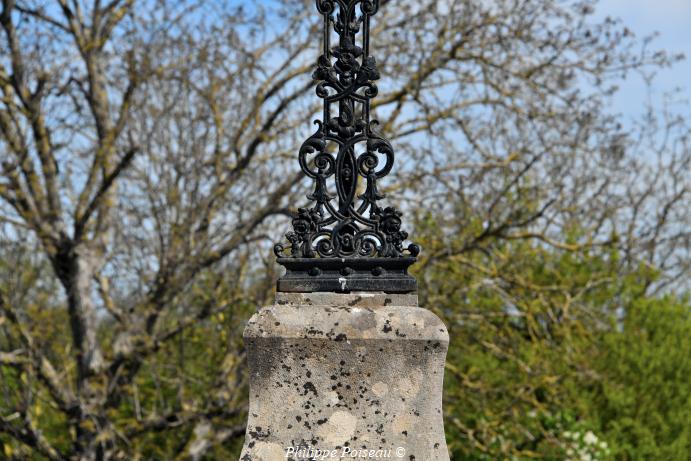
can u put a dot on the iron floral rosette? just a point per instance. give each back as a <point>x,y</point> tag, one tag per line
<point>346,241</point>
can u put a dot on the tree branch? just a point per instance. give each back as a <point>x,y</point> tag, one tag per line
<point>82,220</point>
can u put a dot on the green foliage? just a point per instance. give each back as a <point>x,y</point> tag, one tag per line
<point>643,401</point>
<point>542,364</point>
<point>197,370</point>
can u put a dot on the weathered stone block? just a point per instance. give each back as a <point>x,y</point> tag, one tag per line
<point>344,375</point>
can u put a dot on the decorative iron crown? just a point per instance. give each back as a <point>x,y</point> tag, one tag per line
<point>346,242</point>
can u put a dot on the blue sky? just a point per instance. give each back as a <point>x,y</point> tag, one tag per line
<point>671,19</point>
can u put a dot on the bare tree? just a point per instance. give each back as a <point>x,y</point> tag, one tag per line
<point>148,152</point>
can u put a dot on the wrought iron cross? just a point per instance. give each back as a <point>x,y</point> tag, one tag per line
<point>346,241</point>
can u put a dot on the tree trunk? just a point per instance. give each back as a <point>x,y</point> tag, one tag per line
<point>76,266</point>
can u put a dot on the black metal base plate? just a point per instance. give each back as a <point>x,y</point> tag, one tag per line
<point>345,275</point>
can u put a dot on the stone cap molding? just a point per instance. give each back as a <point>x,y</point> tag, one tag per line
<point>347,317</point>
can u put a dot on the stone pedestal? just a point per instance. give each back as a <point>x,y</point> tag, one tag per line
<point>345,376</point>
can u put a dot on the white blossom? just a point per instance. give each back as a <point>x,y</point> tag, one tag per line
<point>590,438</point>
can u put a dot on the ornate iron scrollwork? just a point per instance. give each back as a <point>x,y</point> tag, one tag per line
<point>346,234</point>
